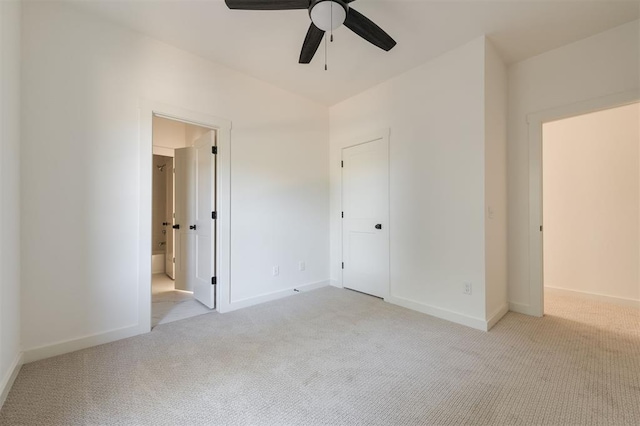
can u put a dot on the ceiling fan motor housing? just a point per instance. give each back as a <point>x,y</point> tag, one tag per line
<point>328,15</point>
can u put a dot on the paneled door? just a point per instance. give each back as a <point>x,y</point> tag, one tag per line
<point>203,220</point>
<point>185,203</point>
<point>365,222</point>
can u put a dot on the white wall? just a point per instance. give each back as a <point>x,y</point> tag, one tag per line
<point>436,113</point>
<point>84,79</point>
<point>191,133</point>
<point>10,355</point>
<point>495,166</point>
<point>169,133</point>
<point>600,65</point>
<point>591,200</point>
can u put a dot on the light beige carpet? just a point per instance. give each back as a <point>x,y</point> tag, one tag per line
<point>335,357</point>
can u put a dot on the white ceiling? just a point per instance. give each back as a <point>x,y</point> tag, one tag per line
<point>266,44</point>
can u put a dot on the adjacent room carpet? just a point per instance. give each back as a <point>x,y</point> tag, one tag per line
<point>336,357</point>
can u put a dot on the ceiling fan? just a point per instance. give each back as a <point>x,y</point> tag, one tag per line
<point>326,15</point>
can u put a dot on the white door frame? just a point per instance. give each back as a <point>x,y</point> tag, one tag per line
<point>536,121</point>
<point>223,203</point>
<point>348,143</point>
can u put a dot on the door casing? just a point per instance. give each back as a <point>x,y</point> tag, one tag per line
<point>536,228</point>
<point>222,127</point>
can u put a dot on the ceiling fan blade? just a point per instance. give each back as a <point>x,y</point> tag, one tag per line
<point>311,43</point>
<point>267,4</point>
<point>365,28</point>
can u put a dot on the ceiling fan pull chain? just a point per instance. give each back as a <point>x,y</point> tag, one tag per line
<point>325,52</point>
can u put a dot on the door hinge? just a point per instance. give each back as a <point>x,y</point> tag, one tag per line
<point>214,215</point>
<point>174,260</point>
<point>540,228</point>
<point>342,265</point>
<point>214,150</point>
<point>342,214</point>
<point>214,280</point>
<point>342,164</point>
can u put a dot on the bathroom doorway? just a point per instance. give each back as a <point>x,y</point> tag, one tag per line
<point>183,240</point>
<point>162,212</point>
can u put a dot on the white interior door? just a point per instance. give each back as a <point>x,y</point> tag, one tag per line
<point>169,265</point>
<point>184,209</point>
<point>365,223</point>
<point>203,224</point>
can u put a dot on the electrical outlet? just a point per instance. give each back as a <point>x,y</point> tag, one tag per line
<point>302,266</point>
<point>467,288</point>
<point>276,271</point>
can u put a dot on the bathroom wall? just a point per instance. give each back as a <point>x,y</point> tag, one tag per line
<point>159,209</point>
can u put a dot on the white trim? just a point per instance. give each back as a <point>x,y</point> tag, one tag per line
<point>348,142</point>
<point>521,308</point>
<point>243,303</point>
<point>72,345</point>
<point>497,316</point>
<point>620,301</point>
<point>148,110</point>
<point>10,377</point>
<point>335,283</point>
<point>536,120</point>
<point>477,323</point>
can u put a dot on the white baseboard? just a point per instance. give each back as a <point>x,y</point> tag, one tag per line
<point>72,345</point>
<point>620,301</point>
<point>244,303</point>
<point>497,316</point>
<point>10,377</point>
<point>521,308</point>
<point>335,283</point>
<point>458,318</point>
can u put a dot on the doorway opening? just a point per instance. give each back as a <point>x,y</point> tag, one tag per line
<point>183,248</point>
<point>591,215</point>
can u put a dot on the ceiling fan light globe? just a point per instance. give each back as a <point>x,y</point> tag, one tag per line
<point>328,15</point>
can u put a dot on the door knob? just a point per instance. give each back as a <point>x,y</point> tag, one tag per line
<point>192,227</point>
<point>379,226</point>
<point>176,226</point>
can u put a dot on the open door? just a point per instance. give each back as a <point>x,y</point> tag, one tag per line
<point>184,201</point>
<point>194,224</point>
<point>204,220</point>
